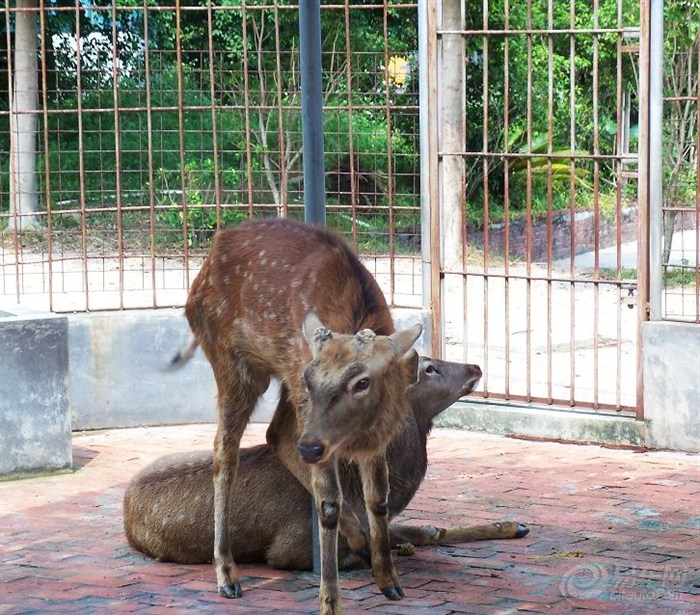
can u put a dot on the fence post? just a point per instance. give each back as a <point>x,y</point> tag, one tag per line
<point>656,176</point>
<point>312,138</point>
<point>429,195</point>
<point>451,168</point>
<point>312,110</point>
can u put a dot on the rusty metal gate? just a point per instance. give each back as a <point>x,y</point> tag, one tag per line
<point>536,117</point>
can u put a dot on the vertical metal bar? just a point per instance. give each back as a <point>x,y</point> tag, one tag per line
<point>550,188</point>
<point>643,197</point>
<point>572,202</point>
<point>181,135</point>
<point>81,157</point>
<point>312,141</point>
<point>283,208</point>
<point>351,140</point>
<point>528,208</point>
<point>506,194</point>
<point>485,173</point>
<point>596,205</point>
<point>621,150</point>
<point>13,206</point>
<point>697,204</point>
<point>430,212</point>
<point>212,103</point>
<point>390,172</point>
<point>246,107</point>
<point>656,103</point>
<point>149,153</point>
<point>47,175</point>
<point>312,110</point>
<point>118,158</point>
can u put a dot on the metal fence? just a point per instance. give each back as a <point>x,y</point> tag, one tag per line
<point>545,279</point>
<point>154,124</point>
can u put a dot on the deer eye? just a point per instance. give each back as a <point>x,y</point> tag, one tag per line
<point>431,369</point>
<point>361,385</point>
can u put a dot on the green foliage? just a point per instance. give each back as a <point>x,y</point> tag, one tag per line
<point>191,210</point>
<point>522,105</point>
<point>681,276</point>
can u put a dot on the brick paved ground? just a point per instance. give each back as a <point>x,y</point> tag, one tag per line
<point>612,531</point>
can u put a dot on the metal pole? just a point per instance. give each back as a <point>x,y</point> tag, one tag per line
<point>656,113</point>
<point>643,198</point>
<point>312,111</point>
<point>312,141</point>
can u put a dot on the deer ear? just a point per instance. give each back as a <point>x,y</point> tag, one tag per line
<point>403,340</point>
<point>409,365</point>
<point>315,333</point>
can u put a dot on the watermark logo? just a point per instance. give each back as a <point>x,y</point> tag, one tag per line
<point>585,581</point>
<point>592,580</point>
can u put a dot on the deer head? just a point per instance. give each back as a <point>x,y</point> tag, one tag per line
<point>357,387</point>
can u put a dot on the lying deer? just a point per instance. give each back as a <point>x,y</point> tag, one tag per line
<point>281,298</point>
<point>168,506</point>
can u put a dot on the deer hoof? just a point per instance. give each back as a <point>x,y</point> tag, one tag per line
<point>523,530</point>
<point>393,592</point>
<point>231,591</point>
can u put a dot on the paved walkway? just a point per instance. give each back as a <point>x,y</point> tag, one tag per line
<point>612,531</point>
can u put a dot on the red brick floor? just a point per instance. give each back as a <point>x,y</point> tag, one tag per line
<point>612,531</point>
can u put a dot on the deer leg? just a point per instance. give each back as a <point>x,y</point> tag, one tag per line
<point>429,535</point>
<point>236,403</point>
<point>328,498</point>
<point>375,485</point>
<point>282,434</point>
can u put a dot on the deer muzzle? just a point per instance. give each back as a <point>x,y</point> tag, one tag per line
<point>311,452</point>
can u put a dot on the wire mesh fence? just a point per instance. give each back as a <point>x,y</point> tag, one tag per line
<point>157,123</point>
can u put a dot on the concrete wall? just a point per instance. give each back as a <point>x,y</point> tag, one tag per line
<point>672,385</point>
<point>118,376</point>
<point>118,379</point>
<point>35,426</point>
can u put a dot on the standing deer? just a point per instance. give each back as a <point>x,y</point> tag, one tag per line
<point>281,298</point>
<point>168,505</point>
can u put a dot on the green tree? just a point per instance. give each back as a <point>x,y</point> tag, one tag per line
<point>681,71</point>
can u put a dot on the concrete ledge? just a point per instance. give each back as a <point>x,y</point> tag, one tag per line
<point>118,378</point>
<point>35,425</point>
<point>547,423</point>
<point>672,385</point>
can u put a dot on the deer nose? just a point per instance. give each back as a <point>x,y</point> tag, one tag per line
<point>311,453</point>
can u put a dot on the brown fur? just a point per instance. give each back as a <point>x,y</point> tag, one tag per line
<point>344,380</point>
<point>168,506</point>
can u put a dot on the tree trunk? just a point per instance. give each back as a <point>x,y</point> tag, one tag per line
<point>669,227</point>
<point>24,119</point>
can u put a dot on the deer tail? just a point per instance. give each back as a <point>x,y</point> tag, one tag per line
<point>183,355</point>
